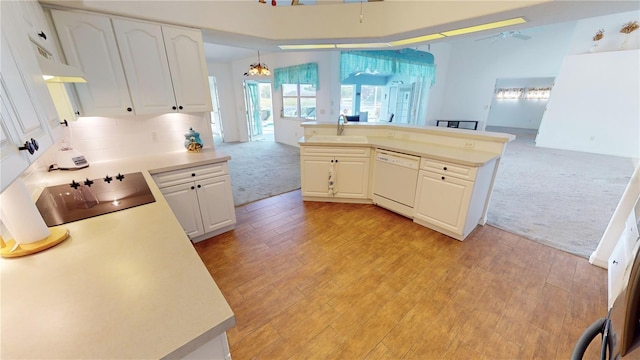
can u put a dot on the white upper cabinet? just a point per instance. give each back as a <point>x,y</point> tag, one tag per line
<point>145,64</point>
<point>88,43</point>
<point>37,27</point>
<point>133,66</point>
<point>185,52</point>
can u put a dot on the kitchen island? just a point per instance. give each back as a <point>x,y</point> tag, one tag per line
<point>441,178</point>
<point>127,284</point>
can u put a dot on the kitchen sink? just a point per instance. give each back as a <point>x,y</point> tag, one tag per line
<point>338,139</point>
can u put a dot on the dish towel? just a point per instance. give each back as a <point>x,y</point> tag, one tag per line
<point>332,179</point>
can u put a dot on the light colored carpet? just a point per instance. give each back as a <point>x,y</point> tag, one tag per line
<point>260,169</point>
<point>560,198</point>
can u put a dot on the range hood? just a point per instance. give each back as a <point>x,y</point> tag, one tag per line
<point>56,72</point>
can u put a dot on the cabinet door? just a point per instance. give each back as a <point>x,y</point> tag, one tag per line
<point>27,118</point>
<point>14,162</point>
<point>216,203</point>
<point>352,177</point>
<point>145,64</point>
<point>183,200</point>
<point>88,43</point>
<point>185,53</point>
<point>314,172</point>
<point>36,24</point>
<point>443,200</point>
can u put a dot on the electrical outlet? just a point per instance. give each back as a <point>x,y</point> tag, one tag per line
<point>469,145</point>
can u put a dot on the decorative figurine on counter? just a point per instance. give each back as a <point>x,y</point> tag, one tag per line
<point>192,141</point>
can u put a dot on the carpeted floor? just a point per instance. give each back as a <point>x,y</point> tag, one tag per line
<point>560,198</point>
<point>260,169</point>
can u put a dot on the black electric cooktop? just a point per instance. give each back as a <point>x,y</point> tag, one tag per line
<point>66,203</point>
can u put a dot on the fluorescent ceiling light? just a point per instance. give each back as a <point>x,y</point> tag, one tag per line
<point>362,46</point>
<point>486,26</point>
<point>416,39</point>
<point>306,47</point>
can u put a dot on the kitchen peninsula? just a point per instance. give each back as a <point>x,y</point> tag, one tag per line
<point>127,284</point>
<point>441,178</point>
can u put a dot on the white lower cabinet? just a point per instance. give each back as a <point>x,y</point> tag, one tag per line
<point>349,167</point>
<point>443,200</point>
<point>451,198</point>
<point>200,198</point>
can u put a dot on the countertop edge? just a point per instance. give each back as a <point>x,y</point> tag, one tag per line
<point>373,142</point>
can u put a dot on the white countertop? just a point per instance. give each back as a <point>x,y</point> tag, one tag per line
<point>434,151</point>
<point>128,284</point>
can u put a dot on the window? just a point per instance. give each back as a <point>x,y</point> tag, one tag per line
<point>347,96</point>
<point>370,101</point>
<point>299,101</point>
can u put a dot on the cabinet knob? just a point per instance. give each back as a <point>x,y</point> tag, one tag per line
<point>199,186</point>
<point>614,262</point>
<point>331,160</point>
<point>174,108</point>
<point>336,160</point>
<point>28,146</point>
<point>193,174</point>
<point>193,187</point>
<point>443,178</point>
<point>43,35</point>
<point>444,168</point>
<point>129,109</point>
<point>180,107</point>
<point>77,113</point>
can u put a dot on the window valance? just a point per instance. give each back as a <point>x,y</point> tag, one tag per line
<point>407,62</point>
<point>297,74</point>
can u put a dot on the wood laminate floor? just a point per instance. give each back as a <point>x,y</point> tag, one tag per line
<point>310,280</point>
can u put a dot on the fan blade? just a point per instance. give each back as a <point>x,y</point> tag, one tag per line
<point>521,37</point>
<point>488,37</point>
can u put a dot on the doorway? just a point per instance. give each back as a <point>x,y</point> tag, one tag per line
<point>216,123</point>
<point>259,104</point>
<point>520,103</point>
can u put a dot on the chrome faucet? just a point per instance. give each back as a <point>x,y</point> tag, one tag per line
<point>341,125</point>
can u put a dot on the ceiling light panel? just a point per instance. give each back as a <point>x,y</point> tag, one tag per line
<point>416,39</point>
<point>307,47</point>
<point>362,45</point>
<point>487,26</point>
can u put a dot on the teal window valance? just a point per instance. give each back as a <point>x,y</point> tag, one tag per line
<point>407,62</point>
<point>297,74</point>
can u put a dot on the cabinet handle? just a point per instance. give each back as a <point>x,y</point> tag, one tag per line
<point>77,113</point>
<point>193,187</point>
<point>129,109</point>
<point>173,107</point>
<point>64,122</point>
<point>35,144</point>
<point>43,35</point>
<point>180,107</point>
<point>193,174</point>
<point>444,168</point>
<point>199,186</point>
<point>443,178</point>
<point>28,146</point>
<point>615,262</point>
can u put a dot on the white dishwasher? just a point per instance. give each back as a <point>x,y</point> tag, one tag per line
<point>395,176</point>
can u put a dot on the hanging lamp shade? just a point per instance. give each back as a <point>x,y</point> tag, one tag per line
<point>258,69</point>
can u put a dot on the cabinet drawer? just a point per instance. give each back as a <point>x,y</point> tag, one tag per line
<point>446,168</point>
<point>335,151</point>
<point>195,173</point>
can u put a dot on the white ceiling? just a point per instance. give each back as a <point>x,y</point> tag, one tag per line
<point>236,29</point>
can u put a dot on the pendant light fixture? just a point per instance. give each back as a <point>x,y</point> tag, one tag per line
<point>258,69</point>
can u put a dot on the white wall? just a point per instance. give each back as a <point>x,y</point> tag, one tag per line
<point>442,57</point>
<point>475,65</point>
<point>519,113</point>
<point>102,138</point>
<point>595,103</point>
<point>227,104</point>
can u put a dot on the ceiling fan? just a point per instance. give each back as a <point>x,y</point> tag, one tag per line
<point>507,34</point>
